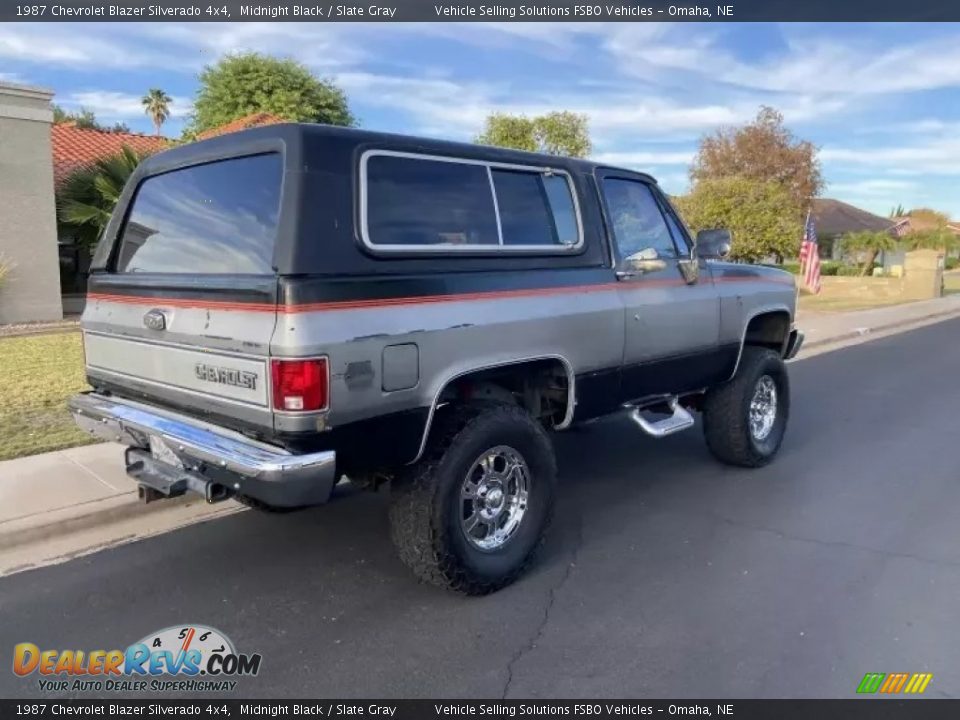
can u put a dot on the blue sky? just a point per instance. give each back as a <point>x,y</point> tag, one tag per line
<point>881,103</point>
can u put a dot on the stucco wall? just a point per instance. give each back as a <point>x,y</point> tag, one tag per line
<point>28,235</point>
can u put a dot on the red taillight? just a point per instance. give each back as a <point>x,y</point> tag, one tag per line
<point>299,385</point>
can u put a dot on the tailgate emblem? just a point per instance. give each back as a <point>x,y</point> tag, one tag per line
<point>155,320</point>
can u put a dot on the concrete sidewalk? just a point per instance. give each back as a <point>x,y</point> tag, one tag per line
<point>66,498</point>
<point>827,328</point>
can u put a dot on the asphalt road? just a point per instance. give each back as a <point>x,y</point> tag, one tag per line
<point>666,574</point>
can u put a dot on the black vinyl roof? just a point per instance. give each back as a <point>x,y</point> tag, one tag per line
<point>297,134</point>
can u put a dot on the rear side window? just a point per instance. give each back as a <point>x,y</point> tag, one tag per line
<point>532,214</point>
<point>428,202</point>
<point>411,202</point>
<point>218,218</point>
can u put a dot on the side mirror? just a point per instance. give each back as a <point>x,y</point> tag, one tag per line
<point>714,244</point>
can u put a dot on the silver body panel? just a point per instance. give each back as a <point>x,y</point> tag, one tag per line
<point>591,329</point>
<point>453,338</point>
<point>398,324</point>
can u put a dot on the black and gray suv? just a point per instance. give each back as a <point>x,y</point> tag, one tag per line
<point>274,310</point>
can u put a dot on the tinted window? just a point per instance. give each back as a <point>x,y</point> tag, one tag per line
<point>215,218</point>
<point>564,213</point>
<point>679,238</point>
<point>637,221</point>
<point>412,201</point>
<point>534,209</point>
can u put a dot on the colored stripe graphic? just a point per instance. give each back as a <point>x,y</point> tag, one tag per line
<point>206,304</point>
<point>918,683</point>
<point>894,683</point>
<point>871,682</point>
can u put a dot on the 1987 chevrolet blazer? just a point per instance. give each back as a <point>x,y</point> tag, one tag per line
<point>273,310</point>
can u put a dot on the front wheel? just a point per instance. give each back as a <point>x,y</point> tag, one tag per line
<point>744,420</point>
<point>470,515</point>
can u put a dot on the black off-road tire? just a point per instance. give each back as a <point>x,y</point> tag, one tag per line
<point>426,506</point>
<point>726,411</point>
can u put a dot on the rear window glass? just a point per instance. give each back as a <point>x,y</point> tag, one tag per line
<point>412,201</point>
<point>218,218</point>
<point>535,209</point>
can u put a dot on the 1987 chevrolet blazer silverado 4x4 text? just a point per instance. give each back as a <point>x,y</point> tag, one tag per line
<point>273,310</point>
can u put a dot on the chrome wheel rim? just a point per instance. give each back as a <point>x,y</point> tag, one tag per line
<point>763,408</point>
<point>493,498</point>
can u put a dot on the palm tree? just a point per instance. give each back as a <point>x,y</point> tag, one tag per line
<point>156,104</point>
<point>872,243</point>
<point>88,196</point>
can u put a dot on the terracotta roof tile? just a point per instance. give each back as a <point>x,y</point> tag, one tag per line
<point>74,148</point>
<point>244,123</point>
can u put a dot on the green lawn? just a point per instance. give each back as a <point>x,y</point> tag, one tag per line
<point>39,373</point>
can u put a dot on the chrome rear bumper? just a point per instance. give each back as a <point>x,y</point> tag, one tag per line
<point>202,452</point>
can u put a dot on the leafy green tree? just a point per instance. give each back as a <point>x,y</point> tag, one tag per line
<point>248,83</point>
<point>88,197</point>
<point>871,243</point>
<point>556,133</point>
<point>156,104</point>
<point>85,120</point>
<point>82,118</point>
<point>938,238</point>
<point>763,150</point>
<point>897,211</point>
<point>763,217</point>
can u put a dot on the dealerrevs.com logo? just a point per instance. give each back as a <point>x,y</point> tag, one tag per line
<point>181,658</point>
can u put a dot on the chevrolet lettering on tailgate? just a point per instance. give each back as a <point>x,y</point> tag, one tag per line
<point>226,376</point>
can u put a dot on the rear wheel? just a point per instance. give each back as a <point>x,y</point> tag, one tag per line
<point>470,515</point>
<point>744,420</point>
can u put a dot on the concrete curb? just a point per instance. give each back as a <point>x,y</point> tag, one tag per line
<point>898,325</point>
<point>77,518</point>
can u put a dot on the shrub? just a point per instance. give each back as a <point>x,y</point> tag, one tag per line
<point>951,263</point>
<point>791,267</point>
<point>829,267</point>
<point>849,270</point>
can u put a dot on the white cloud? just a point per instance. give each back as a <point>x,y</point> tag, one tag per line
<point>646,158</point>
<point>940,156</point>
<point>108,105</point>
<point>872,187</point>
<point>808,66</point>
<point>97,46</point>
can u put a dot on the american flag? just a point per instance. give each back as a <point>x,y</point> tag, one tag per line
<point>810,256</point>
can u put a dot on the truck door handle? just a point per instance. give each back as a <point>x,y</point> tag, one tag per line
<point>627,274</point>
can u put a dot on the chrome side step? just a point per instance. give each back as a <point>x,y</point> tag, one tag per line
<point>680,420</point>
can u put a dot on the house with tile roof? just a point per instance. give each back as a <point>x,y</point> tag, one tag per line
<point>28,234</point>
<point>245,123</point>
<point>75,148</point>
<point>834,218</point>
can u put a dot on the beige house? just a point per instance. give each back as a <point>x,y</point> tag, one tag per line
<point>28,232</point>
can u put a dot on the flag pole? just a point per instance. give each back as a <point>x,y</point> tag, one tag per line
<point>802,275</point>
